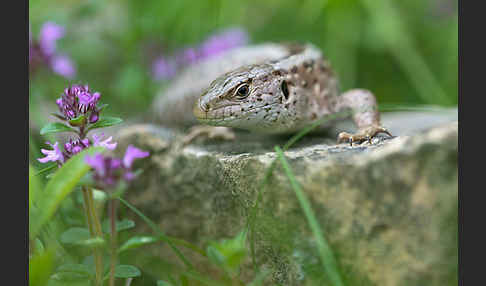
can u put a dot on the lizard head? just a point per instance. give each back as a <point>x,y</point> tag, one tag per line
<point>247,98</point>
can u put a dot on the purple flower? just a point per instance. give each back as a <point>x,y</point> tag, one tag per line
<point>78,100</point>
<point>131,154</point>
<point>52,155</point>
<point>48,36</point>
<point>109,171</point>
<point>97,162</point>
<point>87,101</point>
<point>63,66</point>
<point>188,56</point>
<point>95,115</point>
<point>72,147</point>
<point>163,68</point>
<point>44,51</point>
<point>106,143</point>
<point>223,41</point>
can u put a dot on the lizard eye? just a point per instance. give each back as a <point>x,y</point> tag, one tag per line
<point>242,91</point>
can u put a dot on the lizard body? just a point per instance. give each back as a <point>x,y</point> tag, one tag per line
<point>267,88</point>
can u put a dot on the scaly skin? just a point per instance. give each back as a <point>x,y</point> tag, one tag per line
<point>269,89</point>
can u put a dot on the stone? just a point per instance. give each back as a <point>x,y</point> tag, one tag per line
<point>388,210</point>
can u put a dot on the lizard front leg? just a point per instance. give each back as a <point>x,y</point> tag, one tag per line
<point>362,105</point>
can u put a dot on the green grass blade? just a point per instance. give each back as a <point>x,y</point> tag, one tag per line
<point>59,186</point>
<point>269,173</point>
<point>325,252</point>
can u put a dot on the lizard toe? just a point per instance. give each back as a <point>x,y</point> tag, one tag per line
<point>363,135</point>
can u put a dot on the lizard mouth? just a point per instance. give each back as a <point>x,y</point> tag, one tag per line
<point>208,116</point>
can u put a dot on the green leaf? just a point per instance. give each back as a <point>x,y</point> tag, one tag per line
<point>215,255</point>
<point>120,225</point>
<point>81,236</point>
<point>75,235</point>
<point>163,283</point>
<point>70,276</point>
<point>35,187</point>
<point>78,121</point>
<point>46,169</point>
<point>89,261</point>
<point>75,268</point>
<point>229,253</point>
<point>105,122</point>
<point>59,186</point>
<point>93,242</point>
<point>55,127</point>
<point>38,246</point>
<point>40,268</point>
<point>35,191</point>
<point>137,241</point>
<point>126,271</point>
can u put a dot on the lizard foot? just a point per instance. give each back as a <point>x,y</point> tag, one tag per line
<point>210,132</point>
<point>365,134</point>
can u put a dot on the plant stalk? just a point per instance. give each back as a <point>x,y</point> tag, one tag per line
<point>95,230</point>
<point>113,241</point>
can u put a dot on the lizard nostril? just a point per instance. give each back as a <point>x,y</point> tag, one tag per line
<point>200,109</point>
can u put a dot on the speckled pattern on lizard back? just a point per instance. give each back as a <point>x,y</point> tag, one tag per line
<point>268,88</point>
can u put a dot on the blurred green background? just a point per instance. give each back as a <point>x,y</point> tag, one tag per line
<point>406,52</point>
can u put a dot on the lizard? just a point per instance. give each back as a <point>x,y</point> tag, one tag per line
<point>265,88</point>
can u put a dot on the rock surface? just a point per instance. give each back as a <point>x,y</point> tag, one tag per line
<point>389,210</point>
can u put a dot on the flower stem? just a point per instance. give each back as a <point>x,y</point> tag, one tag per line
<point>87,211</point>
<point>82,133</point>
<point>113,241</point>
<point>96,221</point>
<point>95,230</point>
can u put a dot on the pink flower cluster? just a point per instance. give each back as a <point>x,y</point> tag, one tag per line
<point>79,109</point>
<point>78,100</point>
<point>165,68</point>
<point>44,51</point>
<point>108,171</point>
<point>72,147</point>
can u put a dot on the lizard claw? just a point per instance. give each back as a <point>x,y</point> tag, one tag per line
<point>210,132</point>
<point>365,134</point>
